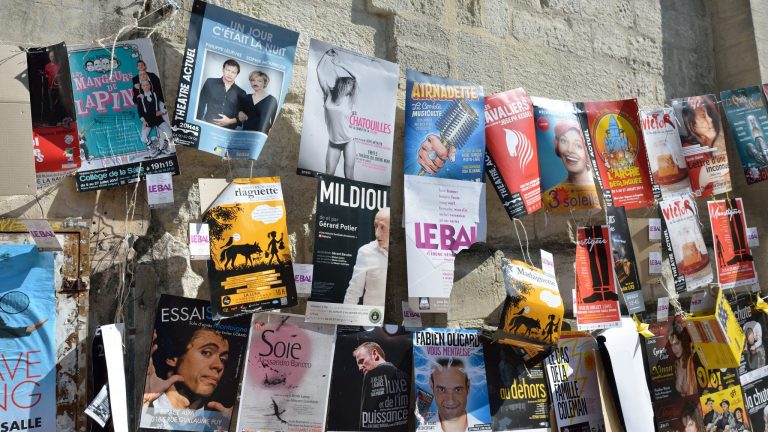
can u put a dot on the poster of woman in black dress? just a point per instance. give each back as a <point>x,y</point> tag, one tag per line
<point>258,109</point>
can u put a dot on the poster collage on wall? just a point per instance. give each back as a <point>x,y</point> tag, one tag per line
<point>102,115</point>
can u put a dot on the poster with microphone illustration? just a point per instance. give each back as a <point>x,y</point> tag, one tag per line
<point>511,156</point>
<point>444,128</point>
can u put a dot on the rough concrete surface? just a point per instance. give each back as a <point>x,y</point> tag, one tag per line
<point>579,50</point>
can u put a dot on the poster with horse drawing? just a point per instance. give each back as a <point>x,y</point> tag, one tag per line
<point>250,267</point>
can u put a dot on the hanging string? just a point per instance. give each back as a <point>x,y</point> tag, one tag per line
<point>526,252</point>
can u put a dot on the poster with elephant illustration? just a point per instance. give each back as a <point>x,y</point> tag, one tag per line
<point>250,268</point>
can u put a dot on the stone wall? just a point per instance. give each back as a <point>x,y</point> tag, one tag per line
<point>566,49</point>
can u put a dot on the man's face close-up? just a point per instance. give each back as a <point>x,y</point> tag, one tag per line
<point>381,224</point>
<point>450,388</point>
<point>366,360</point>
<point>229,74</point>
<point>202,365</point>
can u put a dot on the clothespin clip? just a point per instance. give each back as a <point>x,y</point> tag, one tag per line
<point>642,327</point>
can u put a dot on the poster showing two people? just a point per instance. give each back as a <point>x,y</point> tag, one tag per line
<point>234,79</point>
<point>122,117</point>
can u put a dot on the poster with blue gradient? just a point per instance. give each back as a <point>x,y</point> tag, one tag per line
<point>450,385</point>
<point>444,128</point>
<point>748,120</point>
<point>122,119</point>
<point>234,77</point>
<point>567,179</point>
<point>27,351</point>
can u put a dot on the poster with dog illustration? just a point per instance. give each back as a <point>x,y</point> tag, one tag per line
<point>250,268</point>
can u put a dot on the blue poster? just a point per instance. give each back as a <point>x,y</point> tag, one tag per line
<point>450,384</point>
<point>27,350</point>
<point>748,120</point>
<point>234,79</point>
<point>125,132</point>
<point>444,128</point>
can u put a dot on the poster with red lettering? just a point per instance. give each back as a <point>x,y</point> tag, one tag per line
<point>597,302</point>
<point>687,252</point>
<point>617,151</point>
<point>511,154</point>
<point>735,265</point>
<point>27,351</point>
<point>669,171</point>
<point>442,218</point>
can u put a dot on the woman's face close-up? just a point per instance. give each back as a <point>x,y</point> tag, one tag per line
<point>570,146</point>
<point>677,346</point>
<point>703,126</point>
<point>258,84</point>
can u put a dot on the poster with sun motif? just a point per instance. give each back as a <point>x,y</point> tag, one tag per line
<point>617,151</point>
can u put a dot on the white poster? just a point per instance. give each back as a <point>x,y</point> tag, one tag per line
<point>349,115</point>
<point>442,218</point>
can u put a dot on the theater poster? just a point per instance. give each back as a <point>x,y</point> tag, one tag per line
<point>442,218</point>
<point>571,372</point>
<point>511,157</point>
<point>54,125</point>
<point>349,269</point>
<point>371,370</point>
<point>624,262</point>
<point>27,345</point>
<point>235,74</point>
<point>669,170</point>
<point>617,151</point>
<point>444,128</point>
<point>687,252</point>
<point>202,358</point>
<point>445,359</point>
<point>518,395</point>
<point>349,115</point>
<point>734,262</point>
<point>748,120</point>
<point>597,301</point>
<point>703,139</point>
<point>567,176</point>
<point>286,374</point>
<point>250,269</point>
<point>122,118</point>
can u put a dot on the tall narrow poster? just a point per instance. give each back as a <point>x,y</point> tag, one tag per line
<point>518,395</point>
<point>624,263</point>
<point>234,77</point>
<point>54,129</point>
<point>450,383</point>
<point>617,151</point>
<point>250,269</point>
<point>27,327</point>
<point>597,303</point>
<point>193,368</point>
<point>511,153</point>
<point>122,118</point>
<point>442,218</point>
<point>734,262</point>
<point>349,115</point>
<point>572,379</point>
<point>371,370</point>
<point>444,128</point>
<point>748,120</point>
<point>286,374</point>
<point>349,276</point>
<point>567,179</point>
<point>703,139</point>
<point>669,170</point>
<point>687,252</point>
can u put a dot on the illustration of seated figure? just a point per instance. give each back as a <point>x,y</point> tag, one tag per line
<point>667,165</point>
<point>691,254</point>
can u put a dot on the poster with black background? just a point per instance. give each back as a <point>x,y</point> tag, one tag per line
<point>517,395</point>
<point>624,263</point>
<point>371,375</point>
<point>349,278</point>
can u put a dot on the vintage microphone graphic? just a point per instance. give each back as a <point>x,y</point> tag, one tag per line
<point>455,125</point>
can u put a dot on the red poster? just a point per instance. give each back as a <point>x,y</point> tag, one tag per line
<point>597,303</point>
<point>618,153</point>
<point>511,155</point>
<point>735,266</point>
